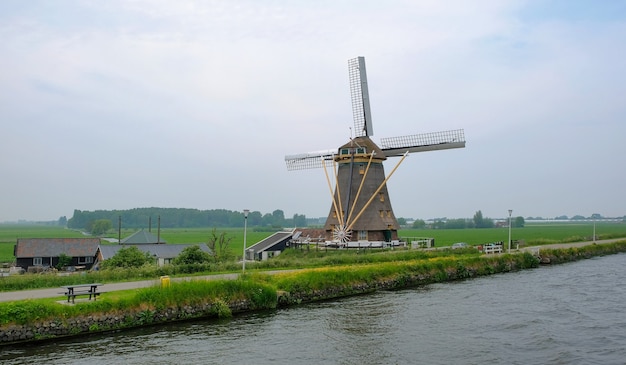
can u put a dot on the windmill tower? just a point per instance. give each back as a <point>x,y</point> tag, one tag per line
<point>361,208</point>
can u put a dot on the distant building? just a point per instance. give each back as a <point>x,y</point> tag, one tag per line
<point>142,237</point>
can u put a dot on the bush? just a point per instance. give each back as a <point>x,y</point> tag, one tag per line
<point>64,261</point>
<point>128,257</point>
<point>192,255</point>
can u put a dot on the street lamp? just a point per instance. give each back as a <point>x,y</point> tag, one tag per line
<point>510,212</point>
<point>245,229</point>
<point>594,231</point>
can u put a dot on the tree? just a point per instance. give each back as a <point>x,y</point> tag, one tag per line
<point>267,220</point>
<point>299,220</point>
<point>62,221</point>
<point>478,219</point>
<point>219,245</point>
<point>401,222</point>
<point>64,261</point>
<point>192,255</point>
<point>455,224</point>
<point>128,257</point>
<point>419,224</point>
<point>439,224</point>
<point>519,222</point>
<point>100,226</point>
<point>481,222</point>
<point>279,218</point>
<point>488,223</point>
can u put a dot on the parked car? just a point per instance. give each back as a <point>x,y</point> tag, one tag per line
<point>460,245</point>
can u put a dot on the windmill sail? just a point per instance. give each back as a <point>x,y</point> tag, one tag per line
<point>397,146</point>
<point>360,97</point>
<point>311,160</point>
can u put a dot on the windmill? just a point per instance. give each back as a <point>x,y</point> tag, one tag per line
<point>361,208</point>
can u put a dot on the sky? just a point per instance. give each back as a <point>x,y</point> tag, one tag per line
<point>109,105</point>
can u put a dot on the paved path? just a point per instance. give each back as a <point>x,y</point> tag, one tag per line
<point>57,292</point>
<point>54,292</point>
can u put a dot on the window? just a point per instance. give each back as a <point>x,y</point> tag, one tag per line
<point>360,150</point>
<point>361,169</point>
<point>344,151</point>
<point>381,213</point>
<point>37,261</point>
<point>85,260</point>
<point>362,235</point>
<point>381,196</point>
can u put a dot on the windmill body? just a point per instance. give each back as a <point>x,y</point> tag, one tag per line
<point>361,208</point>
<point>359,178</point>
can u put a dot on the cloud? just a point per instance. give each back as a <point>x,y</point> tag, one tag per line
<point>122,104</point>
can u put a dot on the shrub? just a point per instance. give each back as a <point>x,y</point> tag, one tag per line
<point>192,255</point>
<point>127,257</point>
<point>64,261</point>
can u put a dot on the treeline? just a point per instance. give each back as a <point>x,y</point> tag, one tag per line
<point>182,218</point>
<point>478,221</point>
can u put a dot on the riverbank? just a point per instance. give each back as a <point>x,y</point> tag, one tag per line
<point>36,320</point>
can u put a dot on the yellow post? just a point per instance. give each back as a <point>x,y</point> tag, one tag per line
<point>165,281</point>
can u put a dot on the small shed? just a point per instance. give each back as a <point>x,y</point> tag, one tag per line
<point>271,246</point>
<point>45,252</point>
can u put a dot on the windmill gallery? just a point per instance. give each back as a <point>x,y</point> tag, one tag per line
<point>361,209</point>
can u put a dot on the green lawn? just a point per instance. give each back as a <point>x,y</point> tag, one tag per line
<point>531,233</point>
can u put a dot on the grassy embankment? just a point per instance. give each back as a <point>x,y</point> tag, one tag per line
<point>351,274</point>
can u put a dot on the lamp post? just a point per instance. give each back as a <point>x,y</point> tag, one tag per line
<point>510,212</point>
<point>245,229</point>
<point>594,231</point>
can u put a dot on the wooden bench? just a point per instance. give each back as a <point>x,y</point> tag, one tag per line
<point>72,291</point>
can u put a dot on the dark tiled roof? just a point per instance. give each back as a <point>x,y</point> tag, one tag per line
<point>53,247</point>
<point>272,240</point>
<point>142,237</point>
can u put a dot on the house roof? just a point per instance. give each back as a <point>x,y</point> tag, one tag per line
<point>273,240</point>
<point>142,237</point>
<point>53,247</point>
<point>158,250</point>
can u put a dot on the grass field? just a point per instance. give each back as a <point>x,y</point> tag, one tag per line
<point>538,233</point>
<point>531,234</point>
